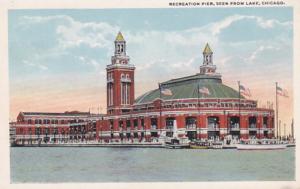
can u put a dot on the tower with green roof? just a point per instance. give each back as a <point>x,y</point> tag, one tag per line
<point>208,68</point>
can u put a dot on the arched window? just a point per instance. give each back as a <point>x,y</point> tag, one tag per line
<point>170,122</point>
<point>213,122</point>
<point>252,122</point>
<point>122,48</point>
<point>119,47</point>
<point>190,122</point>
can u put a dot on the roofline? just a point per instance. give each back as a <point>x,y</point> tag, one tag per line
<point>192,77</point>
<point>55,113</point>
<point>179,99</point>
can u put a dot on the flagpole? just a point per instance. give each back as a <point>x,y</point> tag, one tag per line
<point>279,129</point>
<point>160,111</point>
<point>198,114</point>
<point>239,103</point>
<point>292,128</point>
<point>276,99</point>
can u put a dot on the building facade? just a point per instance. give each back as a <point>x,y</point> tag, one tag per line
<point>200,106</point>
<point>37,127</point>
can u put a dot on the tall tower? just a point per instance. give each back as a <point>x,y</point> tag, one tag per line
<point>207,68</point>
<point>120,80</point>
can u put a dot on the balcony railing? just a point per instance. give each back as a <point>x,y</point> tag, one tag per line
<point>213,126</point>
<point>169,127</point>
<point>153,127</point>
<point>128,80</point>
<point>252,126</point>
<point>79,124</point>
<point>191,126</point>
<point>235,126</point>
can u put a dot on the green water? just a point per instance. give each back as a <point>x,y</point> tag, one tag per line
<point>149,165</point>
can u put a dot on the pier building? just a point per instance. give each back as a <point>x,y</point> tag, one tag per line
<point>199,106</point>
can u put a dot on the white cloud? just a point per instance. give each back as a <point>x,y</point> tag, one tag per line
<point>35,65</point>
<point>42,19</point>
<point>150,49</point>
<point>182,64</point>
<point>217,27</point>
<point>72,33</point>
<point>222,61</point>
<point>91,62</point>
<point>259,51</point>
<point>95,35</point>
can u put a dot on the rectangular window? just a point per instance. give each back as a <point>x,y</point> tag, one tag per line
<point>135,123</point>
<point>122,93</point>
<point>128,93</point>
<point>46,131</point>
<point>55,131</point>
<point>120,124</point>
<point>110,94</point>
<point>142,123</point>
<point>128,124</point>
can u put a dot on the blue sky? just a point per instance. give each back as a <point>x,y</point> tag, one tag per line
<point>62,54</point>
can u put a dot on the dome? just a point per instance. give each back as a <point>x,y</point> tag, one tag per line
<point>188,87</point>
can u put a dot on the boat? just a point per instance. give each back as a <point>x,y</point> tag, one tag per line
<point>199,145</point>
<point>267,144</point>
<point>216,145</point>
<point>176,142</point>
<point>291,145</point>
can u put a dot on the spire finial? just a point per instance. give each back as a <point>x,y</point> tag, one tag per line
<point>120,37</point>
<point>207,49</point>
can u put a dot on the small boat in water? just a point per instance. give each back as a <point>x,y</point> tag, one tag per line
<point>176,144</point>
<point>267,144</point>
<point>199,145</point>
<point>216,145</point>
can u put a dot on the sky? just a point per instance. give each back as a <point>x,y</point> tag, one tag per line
<point>57,58</point>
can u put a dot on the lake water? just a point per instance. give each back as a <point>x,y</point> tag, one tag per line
<point>66,164</point>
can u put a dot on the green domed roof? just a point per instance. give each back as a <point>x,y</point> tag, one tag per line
<point>187,87</point>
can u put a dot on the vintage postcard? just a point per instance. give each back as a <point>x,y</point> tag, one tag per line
<point>197,93</point>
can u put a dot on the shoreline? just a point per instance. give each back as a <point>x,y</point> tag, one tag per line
<point>93,145</point>
<point>226,147</point>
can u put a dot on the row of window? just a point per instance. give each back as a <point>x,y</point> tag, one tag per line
<point>52,121</point>
<point>71,130</point>
<point>191,122</point>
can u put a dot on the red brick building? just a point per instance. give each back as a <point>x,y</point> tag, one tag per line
<point>200,105</point>
<point>34,127</point>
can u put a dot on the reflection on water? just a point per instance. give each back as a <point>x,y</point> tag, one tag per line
<point>148,165</point>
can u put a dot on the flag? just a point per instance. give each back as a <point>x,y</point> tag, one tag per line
<point>166,92</point>
<point>281,92</point>
<point>245,91</point>
<point>204,90</point>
